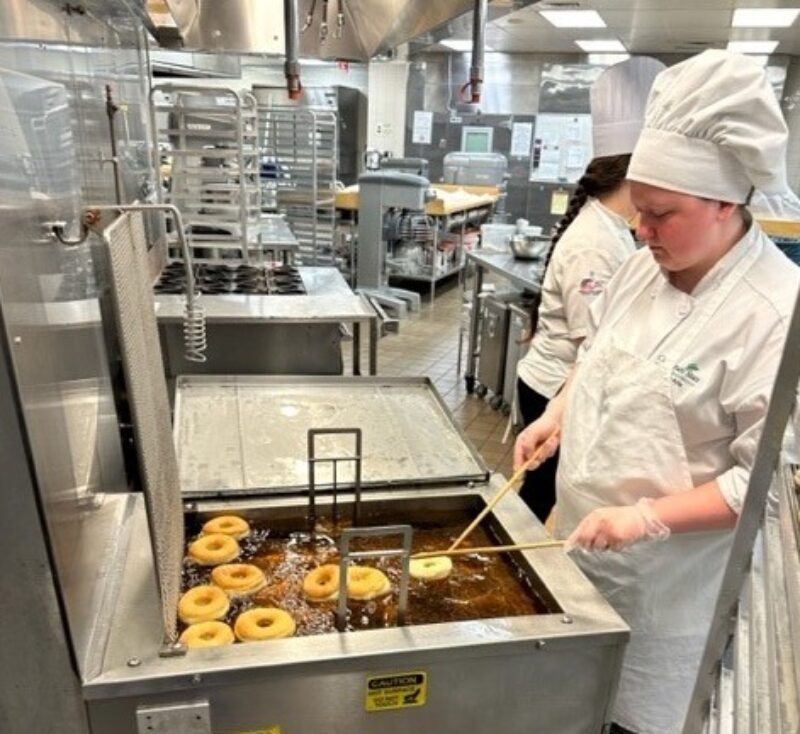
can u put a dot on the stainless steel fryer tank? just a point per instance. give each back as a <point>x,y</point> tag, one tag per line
<point>553,672</point>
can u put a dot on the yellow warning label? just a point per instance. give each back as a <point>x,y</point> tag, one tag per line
<point>269,730</point>
<point>396,691</point>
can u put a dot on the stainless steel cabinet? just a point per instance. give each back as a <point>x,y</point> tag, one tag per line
<point>494,335</point>
<point>519,323</point>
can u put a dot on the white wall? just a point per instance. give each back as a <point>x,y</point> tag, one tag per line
<point>387,106</point>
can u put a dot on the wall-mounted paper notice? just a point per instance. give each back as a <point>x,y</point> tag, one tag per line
<point>575,157</point>
<point>521,136</point>
<point>559,202</point>
<point>562,146</point>
<point>423,127</point>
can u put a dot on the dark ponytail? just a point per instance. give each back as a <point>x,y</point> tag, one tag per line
<point>602,176</point>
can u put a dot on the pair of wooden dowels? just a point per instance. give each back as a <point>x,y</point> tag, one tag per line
<point>511,484</point>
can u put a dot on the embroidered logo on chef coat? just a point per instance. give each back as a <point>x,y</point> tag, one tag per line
<point>591,286</point>
<point>687,375</point>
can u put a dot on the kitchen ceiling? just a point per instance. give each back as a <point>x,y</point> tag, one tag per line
<point>643,26</point>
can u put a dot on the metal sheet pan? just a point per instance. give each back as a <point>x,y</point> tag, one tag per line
<point>248,434</point>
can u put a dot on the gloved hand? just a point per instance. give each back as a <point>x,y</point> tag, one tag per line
<point>536,435</point>
<point>614,528</point>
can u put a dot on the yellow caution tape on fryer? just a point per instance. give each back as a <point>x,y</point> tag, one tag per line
<point>396,691</point>
<point>269,730</point>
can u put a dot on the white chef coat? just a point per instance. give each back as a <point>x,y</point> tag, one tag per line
<point>671,392</point>
<point>589,252</point>
<point>721,386</point>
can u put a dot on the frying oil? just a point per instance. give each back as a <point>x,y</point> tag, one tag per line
<point>481,586</point>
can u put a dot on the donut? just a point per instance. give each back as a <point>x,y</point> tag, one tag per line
<point>239,579</point>
<point>211,550</point>
<point>231,525</point>
<point>202,604</point>
<point>365,582</point>
<point>430,569</point>
<point>322,584</point>
<point>263,623</point>
<point>207,634</point>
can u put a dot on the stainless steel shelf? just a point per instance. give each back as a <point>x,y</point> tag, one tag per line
<point>303,144</point>
<point>223,197</point>
<point>427,278</point>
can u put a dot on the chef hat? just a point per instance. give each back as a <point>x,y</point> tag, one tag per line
<point>618,99</point>
<point>713,128</point>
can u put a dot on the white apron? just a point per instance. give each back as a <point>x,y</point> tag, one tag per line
<point>621,441</point>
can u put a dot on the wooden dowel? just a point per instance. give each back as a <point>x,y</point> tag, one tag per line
<point>510,484</point>
<point>491,549</point>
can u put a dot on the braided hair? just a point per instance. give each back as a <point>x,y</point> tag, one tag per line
<point>602,176</point>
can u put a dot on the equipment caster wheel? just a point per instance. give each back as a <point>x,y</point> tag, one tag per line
<point>495,403</point>
<point>481,390</point>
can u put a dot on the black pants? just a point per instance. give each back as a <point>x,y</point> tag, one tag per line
<point>539,488</point>
<point>617,729</point>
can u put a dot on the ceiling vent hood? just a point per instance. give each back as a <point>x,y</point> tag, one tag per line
<point>330,29</point>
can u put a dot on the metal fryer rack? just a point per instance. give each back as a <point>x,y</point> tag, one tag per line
<point>147,390</point>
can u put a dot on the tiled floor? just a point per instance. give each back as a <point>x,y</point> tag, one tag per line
<point>427,345</point>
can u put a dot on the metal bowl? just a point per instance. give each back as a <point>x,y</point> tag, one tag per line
<point>529,247</point>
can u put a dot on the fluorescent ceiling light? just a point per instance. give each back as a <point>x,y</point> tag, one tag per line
<point>607,59</point>
<point>753,47</point>
<point>764,17</point>
<point>461,44</point>
<point>573,18</point>
<point>602,46</point>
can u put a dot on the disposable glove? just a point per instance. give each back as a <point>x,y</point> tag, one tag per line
<point>538,435</point>
<point>614,528</point>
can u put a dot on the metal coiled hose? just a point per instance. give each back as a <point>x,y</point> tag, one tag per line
<point>194,331</point>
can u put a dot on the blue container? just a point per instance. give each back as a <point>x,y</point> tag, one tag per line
<point>790,247</point>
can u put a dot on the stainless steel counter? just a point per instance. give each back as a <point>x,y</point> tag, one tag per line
<point>276,237</point>
<point>328,298</point>
<point>328,302</point>
<point>524,274</point>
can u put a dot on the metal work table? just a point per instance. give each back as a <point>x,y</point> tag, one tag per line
<point>276,237</point>
<point>328,300</point>
<point>449,216</point>
<point>525,274</point>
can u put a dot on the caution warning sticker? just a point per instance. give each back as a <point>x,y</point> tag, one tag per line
<point>396,691</point>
